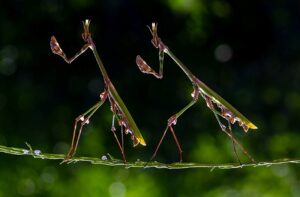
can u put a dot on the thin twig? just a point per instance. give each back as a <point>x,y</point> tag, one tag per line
<point>110,161</point>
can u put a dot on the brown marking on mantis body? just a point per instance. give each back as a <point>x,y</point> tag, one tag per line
<point>225,112</point>
<point>229,116</point>
<point>145,68</point>
<point>208,101</point>
<point>55,48</point>
<point>123,123</point>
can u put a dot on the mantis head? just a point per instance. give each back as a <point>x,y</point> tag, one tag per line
<point>153,30</point>
<point>86,32</point>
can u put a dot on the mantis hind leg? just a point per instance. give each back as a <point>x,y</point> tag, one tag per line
<point>229,133</point>
<point>113,129</point>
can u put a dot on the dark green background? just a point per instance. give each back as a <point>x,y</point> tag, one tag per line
<point>40,95</point>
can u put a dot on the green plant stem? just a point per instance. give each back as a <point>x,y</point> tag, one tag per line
<point>140,164</point>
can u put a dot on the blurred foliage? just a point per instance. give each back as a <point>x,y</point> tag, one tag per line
<point>248,51</point>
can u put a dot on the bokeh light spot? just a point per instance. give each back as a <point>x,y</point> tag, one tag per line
<point>2,101</point>
<point>223,53</point>
<point>26,187</point>
<point>271,95</point>
<point>8,55</point>
<point>221,8</point>
<point>184,5</point>
<point>117,189</point>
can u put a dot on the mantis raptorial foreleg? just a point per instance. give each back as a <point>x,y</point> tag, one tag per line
<point>56,49</point>
<point>228,112</point>
<point>145,68</point>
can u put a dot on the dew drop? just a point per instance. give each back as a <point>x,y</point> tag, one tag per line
<point>104,158</point>
<point>37,152</point>
<point>223,53</point>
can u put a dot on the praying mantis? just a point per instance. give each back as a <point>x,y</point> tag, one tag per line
<point>212,99</point>
<point>117,106</point>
